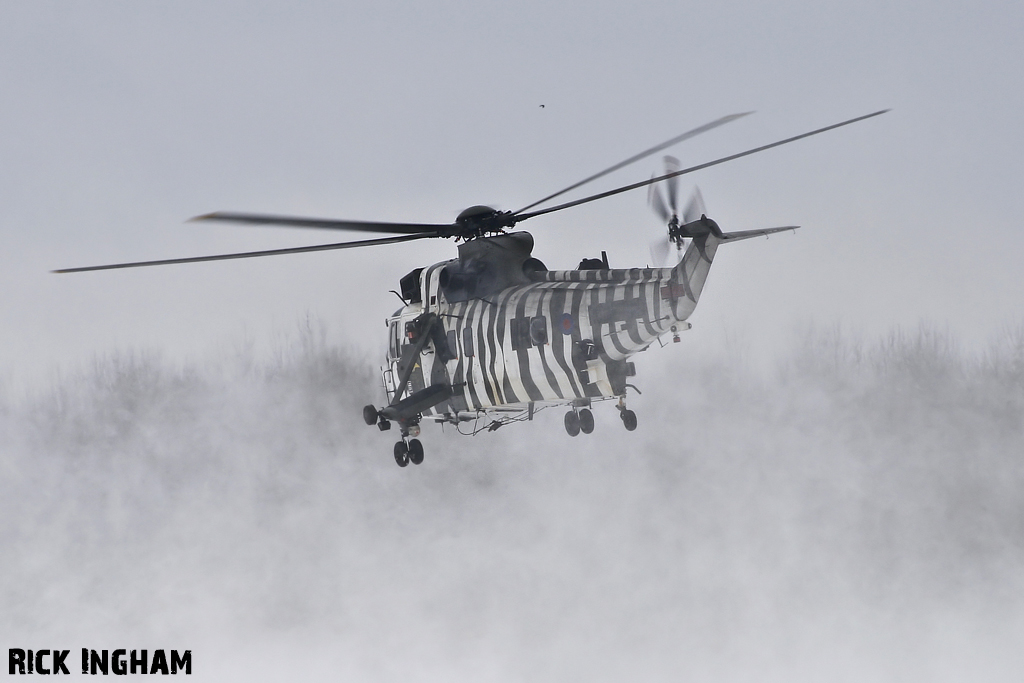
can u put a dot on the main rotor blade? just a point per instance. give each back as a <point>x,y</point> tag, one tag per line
<point>646,153</point>
<point>691,169</point>
<point>252,254</point>
<point>323,223</point>
<point>661,252</point>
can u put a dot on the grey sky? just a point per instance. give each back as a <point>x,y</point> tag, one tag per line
<point>122,120</point>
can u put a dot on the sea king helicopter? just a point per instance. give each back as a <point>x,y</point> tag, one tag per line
<point>492,336</point>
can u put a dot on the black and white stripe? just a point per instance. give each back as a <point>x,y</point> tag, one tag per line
<point>497,376</point>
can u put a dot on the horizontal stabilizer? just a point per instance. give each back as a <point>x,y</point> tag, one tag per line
<point>747,234</point>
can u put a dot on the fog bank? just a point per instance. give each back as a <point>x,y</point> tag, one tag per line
<point>853,514</point>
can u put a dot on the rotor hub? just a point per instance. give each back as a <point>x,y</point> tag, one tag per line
<point>479,221</point>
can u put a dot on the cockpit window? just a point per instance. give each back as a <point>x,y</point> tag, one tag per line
<point>410,285</point>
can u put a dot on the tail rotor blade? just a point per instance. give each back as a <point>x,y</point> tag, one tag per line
<point>695,207</point>
<point>661,253</point>
<point>672,184</point>
<point>657,203</point>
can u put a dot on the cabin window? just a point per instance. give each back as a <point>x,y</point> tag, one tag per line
<point>467,342</point>
<point>453,347</point>
<point>519,331</point>
<point>539,330</point>
<point>394,340</point>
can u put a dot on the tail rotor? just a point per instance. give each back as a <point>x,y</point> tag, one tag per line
<point>694,208</point>
<point>668,250</point>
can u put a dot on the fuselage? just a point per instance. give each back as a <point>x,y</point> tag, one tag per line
<point>559,337</point>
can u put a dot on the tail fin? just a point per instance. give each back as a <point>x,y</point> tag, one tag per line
<point>690,274</point>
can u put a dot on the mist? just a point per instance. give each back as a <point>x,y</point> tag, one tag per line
<point>852,512</point>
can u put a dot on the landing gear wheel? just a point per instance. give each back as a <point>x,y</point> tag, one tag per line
<point>401,454</point>
<point>572,423</point>
<point>586,419</point>
<point>370,415</point>
<point>415,452</point>
<point>628,419</point>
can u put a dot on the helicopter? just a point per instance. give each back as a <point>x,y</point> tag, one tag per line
<point>492,336</point>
